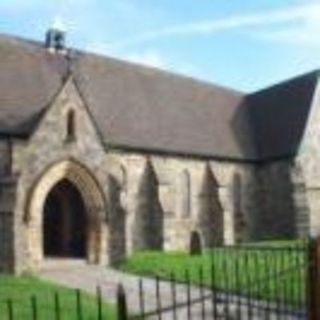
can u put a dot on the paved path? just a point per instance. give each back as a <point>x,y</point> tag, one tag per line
<point>78,274</point>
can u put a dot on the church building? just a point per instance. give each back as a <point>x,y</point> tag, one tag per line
<point>101,157</point>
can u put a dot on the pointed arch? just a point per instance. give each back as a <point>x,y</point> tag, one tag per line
<point>94,201</point>
<point>70,126</point>
<point>64,222</point>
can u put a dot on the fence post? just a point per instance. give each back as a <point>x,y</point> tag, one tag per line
<point>57,309</point>
<point>10,309</point>
<point>99,302</point>
<point>34,307</point>
<point>122,303</point>
<point>313,285</point>
<point>79,305</point>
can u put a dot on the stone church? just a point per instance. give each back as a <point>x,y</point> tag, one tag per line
<point>100,157</point>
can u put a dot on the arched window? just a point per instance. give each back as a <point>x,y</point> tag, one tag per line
<point>236,190</point>
<point>123,178</point>
<point>239,218</point>
<point>70,126</point>
<point>185,189</point>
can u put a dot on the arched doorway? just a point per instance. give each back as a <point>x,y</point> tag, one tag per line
<point>64,224</point>
<point>80,228</point>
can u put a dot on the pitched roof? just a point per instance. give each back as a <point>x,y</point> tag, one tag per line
<point>149,109</point>
<point>279,115</point>
<point>29,79</point>
<point>143,108</point>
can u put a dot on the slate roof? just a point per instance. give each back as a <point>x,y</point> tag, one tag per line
<point>142,108</point>
<point>279,115</point>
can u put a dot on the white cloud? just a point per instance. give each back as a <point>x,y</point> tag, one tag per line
<point>154,58</point>
<point>18,5</point>
<point>304,33</point>
<point>150,57</point>
<point>304,14</point>
<point>299,36</point>
<point>99,48</point>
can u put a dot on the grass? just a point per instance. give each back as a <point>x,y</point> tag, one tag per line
<point>20,290</point>
<point>265,270</point>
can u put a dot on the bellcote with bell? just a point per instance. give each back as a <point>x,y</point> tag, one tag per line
<point>55,39</point>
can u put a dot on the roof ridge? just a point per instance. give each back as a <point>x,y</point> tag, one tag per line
<point>287,81</point>
<point>145,67</point>
<point>125,63</point>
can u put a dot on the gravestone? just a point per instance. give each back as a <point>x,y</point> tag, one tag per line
<point>195,244</point>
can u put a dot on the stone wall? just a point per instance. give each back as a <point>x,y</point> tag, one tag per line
<point>273,202</point>
<point>5,157</point>
<point>307,168</point>
<point>243,202</point>
<point>116,221</point>
<point>204,205</point>
<point>7,204</point>
<point>6,238</point>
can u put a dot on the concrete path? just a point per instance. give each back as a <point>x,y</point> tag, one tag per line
<point>78,274</point>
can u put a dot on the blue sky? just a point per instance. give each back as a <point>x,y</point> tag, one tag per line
<point>244,44</point>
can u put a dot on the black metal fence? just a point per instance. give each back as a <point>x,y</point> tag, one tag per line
<point>237,282</point>
<point>241,282</point>
<point>68,304</point>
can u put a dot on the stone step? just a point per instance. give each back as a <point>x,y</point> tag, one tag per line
<point>65,263</point>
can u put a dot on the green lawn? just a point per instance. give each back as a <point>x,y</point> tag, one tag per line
<point>276,274</point>
<point>20,290</point>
